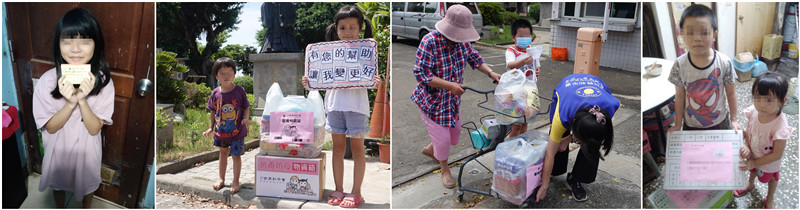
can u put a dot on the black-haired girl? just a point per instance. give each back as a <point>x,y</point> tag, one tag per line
<point>347,111</point>
<point>766,134</point>
<point>582,114</point>
<point>71,118</point>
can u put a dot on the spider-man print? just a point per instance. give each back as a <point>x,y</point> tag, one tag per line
<point>701,92</point>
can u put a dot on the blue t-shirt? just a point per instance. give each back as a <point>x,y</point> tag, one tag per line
<point>575,92</point>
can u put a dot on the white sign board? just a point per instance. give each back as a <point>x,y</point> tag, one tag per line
<point>341,64</point>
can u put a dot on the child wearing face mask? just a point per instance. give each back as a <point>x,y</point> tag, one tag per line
<point>517,57</point>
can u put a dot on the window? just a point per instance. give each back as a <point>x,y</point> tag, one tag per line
<point>569,9</point>
<point>430,7</point>
<point>620,12</point>
<point>399,7</point>
<point>416,6</point>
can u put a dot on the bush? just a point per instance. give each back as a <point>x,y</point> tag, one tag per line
<point>170,90</point>
<point>491,13</point>
<point>534,10</point>
<point>245,81</point>
<point>196,95</point>
<point>494,14</point>
<point>252,100</point>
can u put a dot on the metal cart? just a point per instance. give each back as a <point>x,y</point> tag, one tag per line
<point>504,131</point>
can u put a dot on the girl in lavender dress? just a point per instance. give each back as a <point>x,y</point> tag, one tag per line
<point>70,118</point>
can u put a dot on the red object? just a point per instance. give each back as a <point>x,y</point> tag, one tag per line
<point>385,152</point>
<point>646,143</point>
<point>559,54</point>
<point>8,131</point>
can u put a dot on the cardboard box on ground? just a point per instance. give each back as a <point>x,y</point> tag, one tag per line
<point>287,177</point>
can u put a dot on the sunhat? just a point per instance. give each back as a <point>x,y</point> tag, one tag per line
<point>457,25</point>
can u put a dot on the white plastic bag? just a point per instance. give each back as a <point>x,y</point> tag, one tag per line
<point>511,161</point>
<point>318,107</point>
<point>272,100</point>
<point>516,96</point>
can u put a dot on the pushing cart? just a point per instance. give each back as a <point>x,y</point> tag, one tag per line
<point>503,131</point>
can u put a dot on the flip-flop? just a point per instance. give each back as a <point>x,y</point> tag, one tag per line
<point>235,189</point>
<point>218,187</point>
<point>355,201</point>
<point>765,203</point>
<point>740,193</point>
<point>338,195</point>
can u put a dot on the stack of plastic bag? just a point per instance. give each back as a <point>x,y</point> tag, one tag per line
<point>517,168</point>
<point>275,102</point>
<point>516,96</point>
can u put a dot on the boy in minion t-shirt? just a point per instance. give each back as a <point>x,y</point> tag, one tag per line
<point>229,119</point>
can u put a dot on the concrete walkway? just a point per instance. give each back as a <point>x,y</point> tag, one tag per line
<point>198,180</point>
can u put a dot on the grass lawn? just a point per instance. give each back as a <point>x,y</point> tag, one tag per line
<point>505,37</point>
<point>188,136</point>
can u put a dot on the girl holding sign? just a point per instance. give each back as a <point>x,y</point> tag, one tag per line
<point>347,111</point>
<point>71,118</point>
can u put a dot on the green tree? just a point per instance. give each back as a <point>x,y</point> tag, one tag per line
<point>494,14</point>
<point>240,54</point>
<point>181,24</point>
<point>312,20</point>
<point>170,90</point>
<point>376,12</point>
<point>534,10</point>
<point>261,36</point>
<point>246,82</point>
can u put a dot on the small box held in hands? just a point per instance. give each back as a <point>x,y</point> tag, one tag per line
<point>75,73</point>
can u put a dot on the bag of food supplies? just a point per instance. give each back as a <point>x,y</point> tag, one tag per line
<point>516,96</point>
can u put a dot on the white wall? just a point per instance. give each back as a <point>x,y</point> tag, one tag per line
<point>665,30</point>
<point>726,29</point>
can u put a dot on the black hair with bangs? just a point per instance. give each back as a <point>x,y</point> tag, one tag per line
<point>79,22</point>
<point>771,83</point>
<point>348,12</point>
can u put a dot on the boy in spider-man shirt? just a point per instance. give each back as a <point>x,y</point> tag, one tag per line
<point>703,77</point>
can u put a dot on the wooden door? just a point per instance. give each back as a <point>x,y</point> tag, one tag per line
<point>753,21</point>
<point>128,30</point>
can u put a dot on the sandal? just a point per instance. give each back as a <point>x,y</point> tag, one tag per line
<point>217,186</point>
<point>740,193</point>
<point>448,182</point>
<point>235,188</point>
<point>765,203</point>
<point>354,201</point>
<point>428,151</point>
<point>338,195</point>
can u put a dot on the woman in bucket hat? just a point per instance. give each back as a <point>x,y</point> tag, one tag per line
<point>441,57</point>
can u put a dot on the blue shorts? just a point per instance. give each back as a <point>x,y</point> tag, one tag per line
<point>347,122</point>
<point>237,147</point>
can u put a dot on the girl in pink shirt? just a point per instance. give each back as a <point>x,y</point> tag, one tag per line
<point>70,117</point>
<point>766,134</point>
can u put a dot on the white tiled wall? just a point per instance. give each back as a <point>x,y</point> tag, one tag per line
<point>621,50</point>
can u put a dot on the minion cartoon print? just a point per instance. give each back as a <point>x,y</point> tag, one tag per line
<point>226,122</point>
<point>703,98</point>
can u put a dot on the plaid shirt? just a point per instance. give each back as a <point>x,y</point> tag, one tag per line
<point>435,58</point>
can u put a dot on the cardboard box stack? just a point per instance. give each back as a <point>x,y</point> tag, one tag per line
<point>290,163</point>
